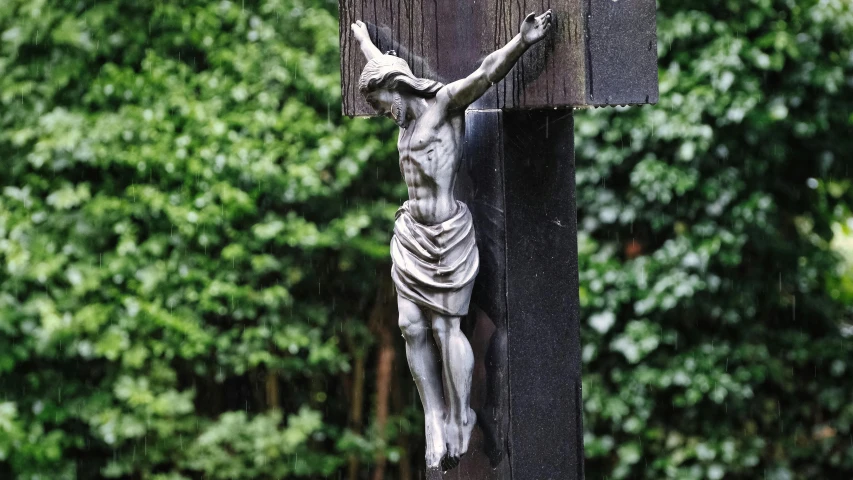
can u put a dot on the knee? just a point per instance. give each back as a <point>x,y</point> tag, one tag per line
<point>443,328</point>
<point>410,328</point>
<point>411,324</point>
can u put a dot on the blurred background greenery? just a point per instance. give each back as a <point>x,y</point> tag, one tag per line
<point>194,249</point>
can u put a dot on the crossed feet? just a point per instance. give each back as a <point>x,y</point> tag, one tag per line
<point>447,440</point>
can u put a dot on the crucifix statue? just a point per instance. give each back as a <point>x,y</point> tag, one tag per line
<point>434,253</point>
<point>488,289</point>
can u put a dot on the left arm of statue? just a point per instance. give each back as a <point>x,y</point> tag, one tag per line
<point>462,93</point>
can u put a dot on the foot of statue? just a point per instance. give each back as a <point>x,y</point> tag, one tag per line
<point>458,432</point>
<point>436,443</point>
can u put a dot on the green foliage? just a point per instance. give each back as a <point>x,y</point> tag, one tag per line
<point>186,222</point>
<point>715,308</point>
<point>183,221</point>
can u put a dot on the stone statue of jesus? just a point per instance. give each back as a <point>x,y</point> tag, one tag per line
<point>433,250</point>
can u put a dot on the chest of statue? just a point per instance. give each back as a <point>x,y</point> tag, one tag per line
<point>415,139</point>
<point>426,134</point>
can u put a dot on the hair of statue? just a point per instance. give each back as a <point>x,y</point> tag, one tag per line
<point>392,72</point>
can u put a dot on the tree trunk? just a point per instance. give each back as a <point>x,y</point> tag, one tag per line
<point>356,406</point>
<point>272,389</point>
<point>383,324</point>
<point>398,404</point>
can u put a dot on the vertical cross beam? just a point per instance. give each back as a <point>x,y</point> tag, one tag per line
<point>520,188</point>
<point>518,181</point>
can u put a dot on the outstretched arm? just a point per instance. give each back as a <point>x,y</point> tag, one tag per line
<point>462,93</point>
<point>359,31</point>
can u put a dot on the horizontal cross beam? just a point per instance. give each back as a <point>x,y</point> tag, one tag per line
<point>600,52</point>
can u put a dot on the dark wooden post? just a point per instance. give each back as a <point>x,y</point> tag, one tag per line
<point>518,181</point>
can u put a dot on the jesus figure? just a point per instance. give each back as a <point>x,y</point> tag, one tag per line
<point>433,249</point>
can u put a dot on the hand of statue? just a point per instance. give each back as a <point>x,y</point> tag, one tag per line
<point>533,28</point>
<point>359,31</point>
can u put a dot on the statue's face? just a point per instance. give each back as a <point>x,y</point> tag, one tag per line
<point>381,100</point>
<point>388,103</point>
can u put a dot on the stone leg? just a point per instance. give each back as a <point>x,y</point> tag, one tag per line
<point>457,368</point>
<point>424,365</point>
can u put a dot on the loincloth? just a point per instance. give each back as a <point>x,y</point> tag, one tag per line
<point>434,265</point>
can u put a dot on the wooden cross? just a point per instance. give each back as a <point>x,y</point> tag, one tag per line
<point>518,180</point>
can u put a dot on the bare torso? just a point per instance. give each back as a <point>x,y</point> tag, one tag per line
<point>430,154</point>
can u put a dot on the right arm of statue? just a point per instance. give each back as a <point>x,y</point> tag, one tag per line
<point>359,31</point>
<point>464,92</point>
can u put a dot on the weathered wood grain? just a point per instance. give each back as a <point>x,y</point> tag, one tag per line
<point>597,54</point>
<point>621,52</point>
